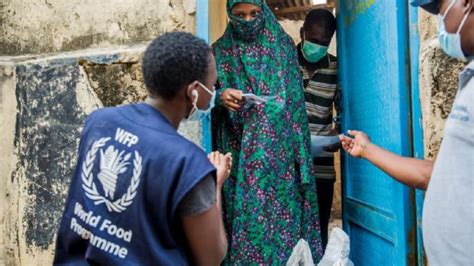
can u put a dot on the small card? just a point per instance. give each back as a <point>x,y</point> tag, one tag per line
<point>250,97</point>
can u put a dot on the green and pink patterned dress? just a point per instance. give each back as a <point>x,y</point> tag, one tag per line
<point>270,199</point>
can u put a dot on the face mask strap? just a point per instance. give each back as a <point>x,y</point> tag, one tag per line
<point>205,88</point>
<point>464,20</point>
<point>193,110</point>
<point>194,103</point>
<point>449,8</point>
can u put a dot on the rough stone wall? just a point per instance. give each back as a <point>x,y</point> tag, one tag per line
<point>34,27</point>
<point>9,157</point>
<point>438,84</point>
<point>45,97</point>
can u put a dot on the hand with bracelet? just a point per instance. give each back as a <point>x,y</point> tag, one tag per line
<point>409,171</point>
<point>355,146</point>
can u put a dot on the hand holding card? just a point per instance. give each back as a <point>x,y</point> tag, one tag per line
<point>252,98</point>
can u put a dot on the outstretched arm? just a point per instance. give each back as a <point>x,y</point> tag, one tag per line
<point>409,171</point>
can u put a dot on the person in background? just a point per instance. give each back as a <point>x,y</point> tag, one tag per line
<point>142,194</point>
<point>322,95</point>
<point>270,199</point>
<point>448,212</point>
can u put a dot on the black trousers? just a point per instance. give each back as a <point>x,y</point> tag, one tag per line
<point>325,189</point>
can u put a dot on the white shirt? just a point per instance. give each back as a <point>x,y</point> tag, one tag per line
<point>448,215</point>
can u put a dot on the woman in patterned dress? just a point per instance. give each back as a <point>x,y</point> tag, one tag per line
<point>270,199</point>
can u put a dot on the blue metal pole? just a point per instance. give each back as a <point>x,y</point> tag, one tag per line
<point>202,30</point>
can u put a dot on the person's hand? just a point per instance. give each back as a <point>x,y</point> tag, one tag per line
<point>232,99</point>
<point>357,145</point>
<point>223,164</point>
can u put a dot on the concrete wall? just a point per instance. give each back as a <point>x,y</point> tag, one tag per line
<point>45,97</point>
<point>8,158</point>
<point>438,84</point>
<point>31,26</point>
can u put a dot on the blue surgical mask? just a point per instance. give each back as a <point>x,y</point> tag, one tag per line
<point>451,42</point>
<point>196,114</point>
<point>313,52</point>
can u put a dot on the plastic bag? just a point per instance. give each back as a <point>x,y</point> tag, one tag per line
<point>337,250</point>
<point>336,254</point>
<point>301,255</point>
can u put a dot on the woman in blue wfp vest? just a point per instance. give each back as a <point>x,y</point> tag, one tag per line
<point>142,194</point>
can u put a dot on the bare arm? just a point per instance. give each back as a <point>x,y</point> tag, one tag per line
<point>409,171</point>
<point>205,232</point>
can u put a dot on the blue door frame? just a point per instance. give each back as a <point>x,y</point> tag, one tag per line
<point>202,30</point>
<point>378,47</point>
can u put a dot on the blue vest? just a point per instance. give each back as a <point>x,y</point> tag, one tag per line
<point>133,171</point>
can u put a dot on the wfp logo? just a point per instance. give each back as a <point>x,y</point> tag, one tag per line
<point>113,164</point>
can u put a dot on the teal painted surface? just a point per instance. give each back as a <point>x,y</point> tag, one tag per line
<point>202,30</point>
<point>375,76</point>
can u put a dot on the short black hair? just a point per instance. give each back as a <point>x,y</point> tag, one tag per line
<point>173,61</point>
<point>322,17</point>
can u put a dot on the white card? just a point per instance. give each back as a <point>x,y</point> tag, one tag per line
<point>250,97</point>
